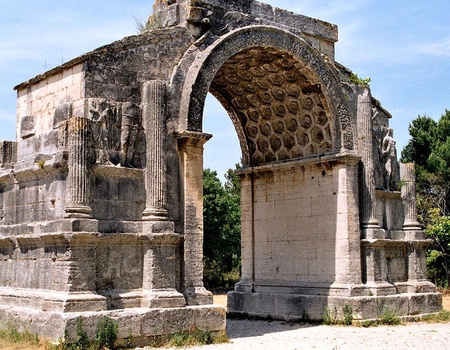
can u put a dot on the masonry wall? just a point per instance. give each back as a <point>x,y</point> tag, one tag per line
<point>295,226</point>
<point>37,105</point>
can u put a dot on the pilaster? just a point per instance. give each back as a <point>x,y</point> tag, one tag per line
<point>348,249</point>
<point>190,149</point>
<point>246,283</point>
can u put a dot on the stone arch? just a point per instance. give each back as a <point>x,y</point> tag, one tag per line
<point>284,56</point>
<point>301,154</point>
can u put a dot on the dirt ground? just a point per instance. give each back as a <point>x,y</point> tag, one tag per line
<point>445,300</point>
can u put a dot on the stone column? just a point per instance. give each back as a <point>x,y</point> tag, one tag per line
<point>407,174</point>
<point>190,149</point>
<point>78,175</point>
<point>153,115</point>
<point>369,223</point>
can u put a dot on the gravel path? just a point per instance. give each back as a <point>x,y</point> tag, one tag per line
<point>264,335</point>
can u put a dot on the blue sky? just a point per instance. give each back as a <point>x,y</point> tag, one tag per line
<point>403,46</point>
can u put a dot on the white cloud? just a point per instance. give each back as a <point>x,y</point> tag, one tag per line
<point>440,48</point>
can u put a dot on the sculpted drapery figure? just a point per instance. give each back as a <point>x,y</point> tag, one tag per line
<point>391,166</point>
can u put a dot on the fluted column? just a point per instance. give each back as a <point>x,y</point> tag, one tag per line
<point>407,174</point>
<point>190,149</point>
<point>78,174</point>
<point>153,115</point>
<point>365,138</point>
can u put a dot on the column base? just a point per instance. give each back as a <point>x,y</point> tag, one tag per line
<point>415,287</point>
<point>198,296</point>
<point>373,232</point>
<point>155,215</point>
<point>78,211</point>
<point>245,285</point>
<point>164,298</point>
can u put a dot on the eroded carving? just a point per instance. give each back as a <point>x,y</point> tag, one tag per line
<point>391,166</point>
<point>116,132</point>
<point>27,126</point>
<point>8,151</point>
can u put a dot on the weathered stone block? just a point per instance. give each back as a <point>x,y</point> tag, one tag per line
<point>27,126</point>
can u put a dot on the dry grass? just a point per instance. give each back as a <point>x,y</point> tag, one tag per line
<point>8,345</point>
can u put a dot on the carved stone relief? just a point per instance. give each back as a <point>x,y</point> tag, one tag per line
<point>8,151</point>
<point>391,166</point>
<point>116,132</point>
<point>27,126</point>
<point>387,168</point>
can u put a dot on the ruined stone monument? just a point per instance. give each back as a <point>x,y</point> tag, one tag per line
<point>101,193</point>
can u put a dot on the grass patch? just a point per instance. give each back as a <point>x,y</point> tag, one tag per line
<point>389,317</point>
<point>183,339</point>
<point>13,339</point>
<point>13,335</point>
<point>441,316</point>
<point>330,317</point>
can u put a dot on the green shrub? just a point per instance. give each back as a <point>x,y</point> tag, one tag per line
<point>329,318</point>
<point>106,334</point>
<point>348,314</point>
<point>389,317</point>
<point>196,338</point>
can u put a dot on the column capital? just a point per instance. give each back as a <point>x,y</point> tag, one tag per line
<point>191,138</point>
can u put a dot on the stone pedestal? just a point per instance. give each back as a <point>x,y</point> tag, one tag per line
<point>160,271</point>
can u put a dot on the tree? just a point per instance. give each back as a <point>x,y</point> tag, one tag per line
<point>222,230</point>
<point>438,257</point>
<point>429,149</point>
